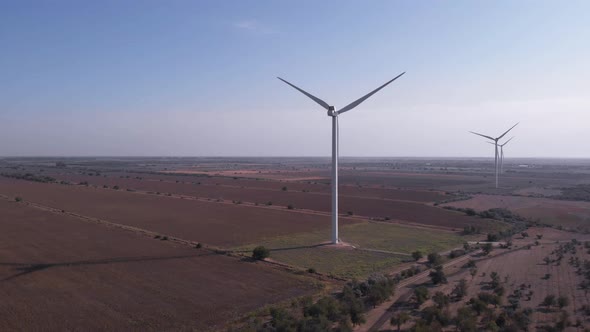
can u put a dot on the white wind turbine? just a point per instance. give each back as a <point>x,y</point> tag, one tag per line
<point>334,114</point>
<point>496,147</point>
<point>502,154</point>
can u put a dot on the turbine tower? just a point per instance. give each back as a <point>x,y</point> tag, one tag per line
<point>496,147</point>
<point>334,114</point>
<point>502,154</point>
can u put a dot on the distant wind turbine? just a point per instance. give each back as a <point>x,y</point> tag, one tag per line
<point>502,154</point>
<point>334,114</point>
<point>496,147</point>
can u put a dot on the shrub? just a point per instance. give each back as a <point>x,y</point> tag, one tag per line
<point>311,270</point>
<point>460,289</point>
<point>260,253</point>
<point>434,259</point>
<point>417,255</point>
<point>290,207</point>
<point>438,276</point>
<point>284,189</point>
<point>18,199</point>
<point>199,245</point>
<point>548,301</point>
<point>563,301</point>
<point>421,294</point>
<point>441,299</point>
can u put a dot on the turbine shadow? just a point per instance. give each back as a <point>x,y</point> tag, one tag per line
<point>28,268</point>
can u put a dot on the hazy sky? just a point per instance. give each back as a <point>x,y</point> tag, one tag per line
<point>197,78</point>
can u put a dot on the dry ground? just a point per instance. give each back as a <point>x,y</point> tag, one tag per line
<point>57,272</point>
<point>570,214</point>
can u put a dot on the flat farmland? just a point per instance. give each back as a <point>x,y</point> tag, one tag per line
<point>216,224</point>
<point>178,184</point>
<point>57,272</point>
<point>571,214</point>
<point>410,180</point>
<point>405,211</point>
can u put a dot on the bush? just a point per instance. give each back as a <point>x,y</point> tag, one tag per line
<point>18,199</point>
<point>290,207</point>
<point>438,276</point>
<point>549,301</point>
<point>460,289</point>
<point>434,259</point>
<point>417,255</point>
<point>260,253</point>
<point>563,302</point>
<point>199,245</point>
<point>421,294</point>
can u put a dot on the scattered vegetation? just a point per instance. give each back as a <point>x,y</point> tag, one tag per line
<point>29,177</point>
<point>260,253</point>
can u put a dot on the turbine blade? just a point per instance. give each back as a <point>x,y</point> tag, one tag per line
<point>507,141</point>
<point>314,98</point>
<point>506,132</point>
<point>365,97</point>
<point>493,139</point>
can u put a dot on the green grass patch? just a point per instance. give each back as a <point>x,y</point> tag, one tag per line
<point>302,249</point>
<point>341,262</point>
<point>395,238</point>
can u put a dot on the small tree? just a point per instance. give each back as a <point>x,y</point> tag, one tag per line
<point>260,253</point>
<point>417,255</point>
<point>434,259</point>
<point>495,282</point>
<point>563,302</point>
<point>549,301</point>
<point>441,299</point>
<point>438,276</point>
<point>460,289</point>
<point>421,294</point>
<point>18,199</point>
<point>399,318</point>
<point>487,248</point>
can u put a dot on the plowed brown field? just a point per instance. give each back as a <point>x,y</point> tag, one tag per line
<point>212,223</point>
<point>59,273</point>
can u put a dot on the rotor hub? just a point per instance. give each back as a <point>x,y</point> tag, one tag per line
<point>332,112</point>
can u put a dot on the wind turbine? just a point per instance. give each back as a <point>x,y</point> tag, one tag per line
<point>502,154</point>
<point>496,147</point>
<point>334,114</point>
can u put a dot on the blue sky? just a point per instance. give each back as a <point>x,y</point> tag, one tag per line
<point>198,77</point>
